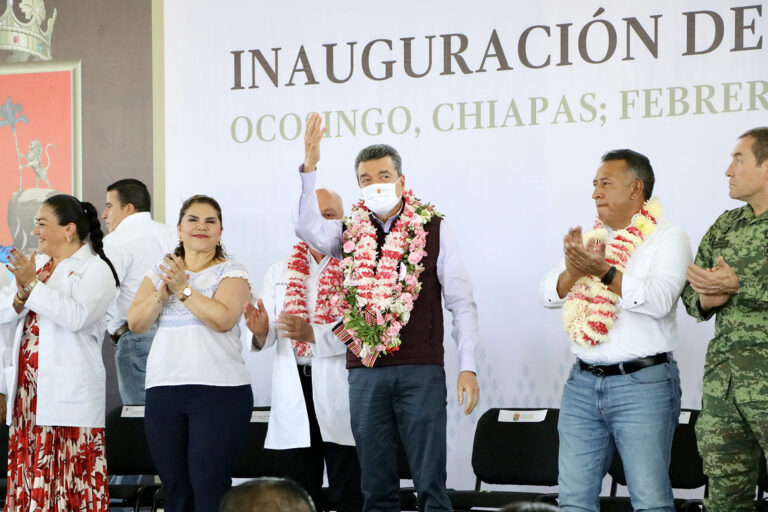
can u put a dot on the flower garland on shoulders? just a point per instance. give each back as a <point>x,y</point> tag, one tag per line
<point>590,308</point>
<point>379,291</point>
<point>327,303</point>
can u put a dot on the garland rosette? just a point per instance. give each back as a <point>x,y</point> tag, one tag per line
<point>379,291</point>
<point>590,309</point>
<point>327,303</point>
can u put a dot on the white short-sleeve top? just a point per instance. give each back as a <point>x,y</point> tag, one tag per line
<point>186,351</point>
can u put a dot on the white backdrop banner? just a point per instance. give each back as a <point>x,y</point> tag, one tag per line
<point>500,109</point>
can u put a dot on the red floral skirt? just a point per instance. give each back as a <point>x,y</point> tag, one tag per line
<point>51,468</point>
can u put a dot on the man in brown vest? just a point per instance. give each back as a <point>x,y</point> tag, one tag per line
<point>400,261</point>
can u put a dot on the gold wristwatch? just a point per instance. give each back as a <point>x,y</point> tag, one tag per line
<point>185,293</point>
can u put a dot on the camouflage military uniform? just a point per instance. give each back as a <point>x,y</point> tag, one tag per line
<point>733,425</point>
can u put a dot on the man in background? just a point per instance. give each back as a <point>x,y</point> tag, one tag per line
<point>134,244</point>
<point>309,422</point>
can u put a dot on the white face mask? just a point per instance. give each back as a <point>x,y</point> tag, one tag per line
<point>380,198</point>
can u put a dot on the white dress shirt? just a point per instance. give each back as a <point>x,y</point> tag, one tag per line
<point>652,282</point>
<point>288,422</point>
<point>134,247</point>
<point>326,236</point>
<point>71,307</point>
<point>185,350</point>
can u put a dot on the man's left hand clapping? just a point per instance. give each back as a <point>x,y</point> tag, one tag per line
<point>584,260</point>
<point>295,328</point>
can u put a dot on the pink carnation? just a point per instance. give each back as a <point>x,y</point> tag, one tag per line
<point>380,347</point>
<point>411,280</point>
<point>415,257</point>
<point>379,318</point>
<point>349,246</point>
<point>394,329</point>
<point>418,243</point>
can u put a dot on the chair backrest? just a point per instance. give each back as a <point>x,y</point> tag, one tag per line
<point>255,461</point>
<point>516,447</point>
<point>686,469</point>
<point>126,443</point>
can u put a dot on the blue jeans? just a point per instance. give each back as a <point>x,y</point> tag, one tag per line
<point>636,414</point>
<point>131,363</point>
<point>406,401</point>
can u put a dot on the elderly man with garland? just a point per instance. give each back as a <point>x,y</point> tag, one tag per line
<point>398,256</point>
<point>729,279</point>
<point>618,287</point>
<point>309,421</point>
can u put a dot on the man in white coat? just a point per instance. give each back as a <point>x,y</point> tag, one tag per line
<point>309,422</point>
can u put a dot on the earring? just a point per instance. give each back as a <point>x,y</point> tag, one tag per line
<point>180,240</point>
<point>219,244</point>
<point>68,239</point>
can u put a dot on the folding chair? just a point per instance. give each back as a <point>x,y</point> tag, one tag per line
<point>512,447</point>
<point>128,454</point>
<point>685,468</point>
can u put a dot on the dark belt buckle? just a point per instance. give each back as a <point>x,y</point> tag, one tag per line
<point>596,371</point>
<point>306,370</point>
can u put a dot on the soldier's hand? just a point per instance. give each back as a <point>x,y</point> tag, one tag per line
<point>713,301</point>
<point>313,134</point>
<point>718,280</point>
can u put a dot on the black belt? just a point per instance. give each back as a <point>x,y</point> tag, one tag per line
<point>607,370</point>
<point>119,332</point>
<point>305,370</point>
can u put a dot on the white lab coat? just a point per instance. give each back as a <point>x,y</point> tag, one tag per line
<point>71,306</point>
<point>288,423</point>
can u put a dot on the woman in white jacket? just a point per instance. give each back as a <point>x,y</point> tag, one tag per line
<point>54,373</point>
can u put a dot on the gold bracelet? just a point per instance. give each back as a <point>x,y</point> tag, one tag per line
<point>18,300</point>
<point>28,288</point>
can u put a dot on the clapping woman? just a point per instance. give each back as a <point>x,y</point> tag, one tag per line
<point>199,396</point>
<point>54,375</point>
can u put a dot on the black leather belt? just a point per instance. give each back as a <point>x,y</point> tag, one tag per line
<point>607,370</point>
<point>119,332</point>
<point>305,370</point>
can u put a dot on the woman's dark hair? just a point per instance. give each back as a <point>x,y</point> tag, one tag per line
<point>179,251</point>
<point>83,215</point>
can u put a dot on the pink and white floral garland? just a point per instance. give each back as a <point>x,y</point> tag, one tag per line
<point>326,305</point>
<point>590,308</point>
<point>379,295</point>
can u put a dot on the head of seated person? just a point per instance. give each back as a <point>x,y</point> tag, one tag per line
<point>529,507</point>
<point>267,495</point>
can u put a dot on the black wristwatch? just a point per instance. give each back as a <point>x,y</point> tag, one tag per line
<point>608,277</point>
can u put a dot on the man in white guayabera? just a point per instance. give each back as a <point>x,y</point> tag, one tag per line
<point>618,287</point>
<point>309,421</point>
<point>400,261</point>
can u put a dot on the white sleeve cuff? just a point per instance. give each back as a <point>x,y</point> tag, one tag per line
<point>632,292</point>
<point>467,362</point>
